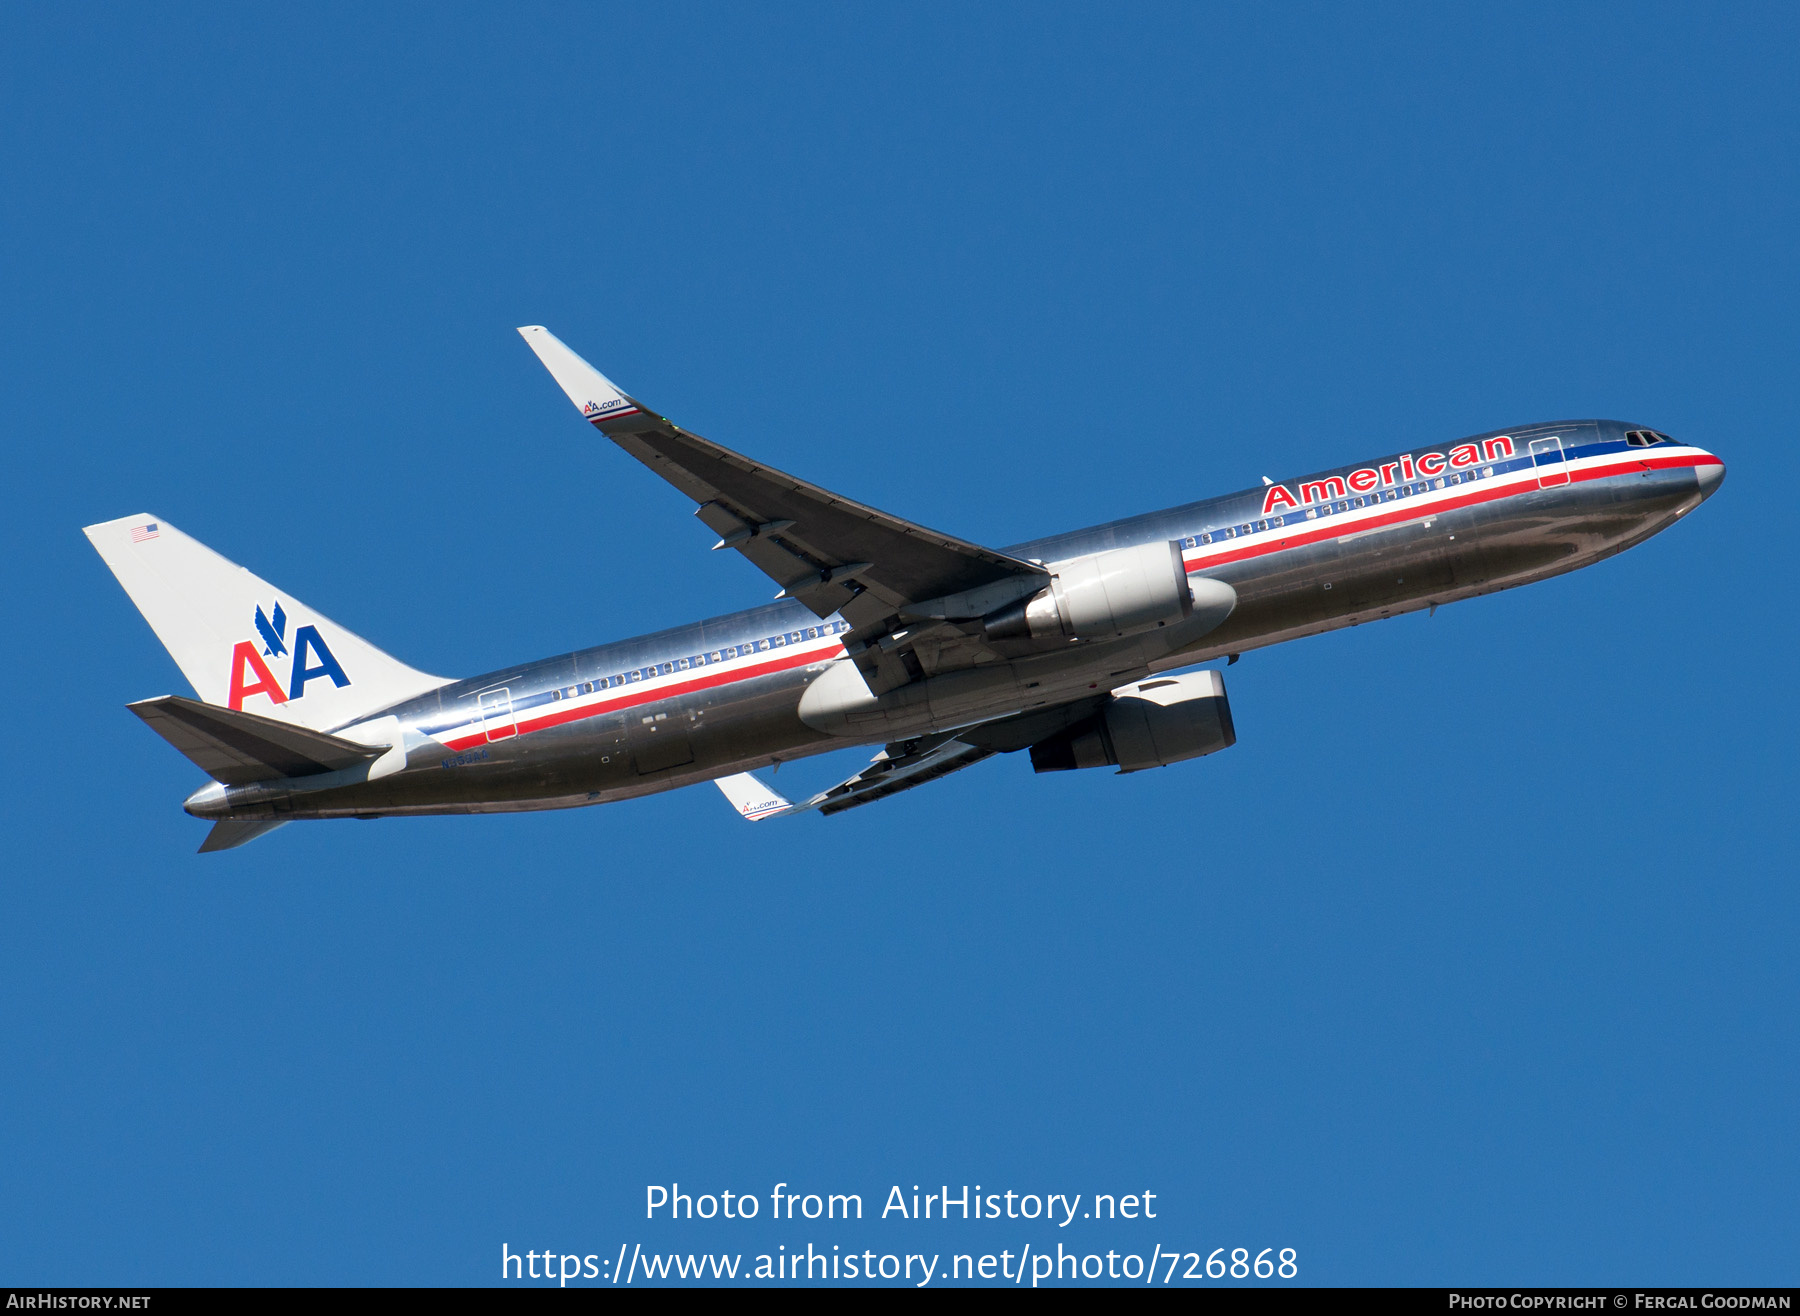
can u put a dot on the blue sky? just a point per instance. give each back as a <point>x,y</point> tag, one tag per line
<point>1472,962</point>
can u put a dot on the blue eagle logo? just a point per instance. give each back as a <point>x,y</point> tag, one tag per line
<point>274,634</point>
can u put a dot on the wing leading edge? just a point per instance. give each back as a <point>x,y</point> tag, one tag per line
<point>829,552</point>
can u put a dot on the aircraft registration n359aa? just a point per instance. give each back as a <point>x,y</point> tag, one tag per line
<point>940,650</point>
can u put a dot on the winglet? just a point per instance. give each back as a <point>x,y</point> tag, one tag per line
<point>597,397</point>
<point>751,798</point>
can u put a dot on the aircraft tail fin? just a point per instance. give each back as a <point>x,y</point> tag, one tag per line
<point>231,833</point>
<point>244,644</point>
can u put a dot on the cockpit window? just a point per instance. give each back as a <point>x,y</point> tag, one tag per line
<point>1645,438</point>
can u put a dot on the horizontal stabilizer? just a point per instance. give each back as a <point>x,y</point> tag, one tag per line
<point>238,748</point>
<point>231,833</point>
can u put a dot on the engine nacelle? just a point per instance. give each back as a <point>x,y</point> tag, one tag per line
<point>1118,592</point>
<point>1149,724</point>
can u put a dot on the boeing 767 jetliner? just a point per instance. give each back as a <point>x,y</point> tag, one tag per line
<point>940,650</point>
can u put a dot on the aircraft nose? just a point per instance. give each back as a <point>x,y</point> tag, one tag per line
<point>1709,474</point>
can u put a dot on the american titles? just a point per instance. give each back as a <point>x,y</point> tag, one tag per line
<point>1278,498</point>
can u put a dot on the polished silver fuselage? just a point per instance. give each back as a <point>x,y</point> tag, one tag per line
<point>572,730</point>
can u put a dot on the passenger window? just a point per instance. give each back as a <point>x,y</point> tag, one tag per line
<point>1438,483</point>
<point>1206,539</point>
<point>1278,520</point>
<point>1312,514</point>
<point>1262,525</point>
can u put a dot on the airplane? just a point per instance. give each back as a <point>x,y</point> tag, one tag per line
<point>1079,649</point>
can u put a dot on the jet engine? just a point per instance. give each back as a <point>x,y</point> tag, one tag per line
<point>1117,592</point>
<point>1149,724</point>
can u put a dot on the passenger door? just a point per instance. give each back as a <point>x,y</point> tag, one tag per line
<point>497,713</point>
<point>1551,462</point>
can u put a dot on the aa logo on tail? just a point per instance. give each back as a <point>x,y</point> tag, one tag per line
<point>312,658</point>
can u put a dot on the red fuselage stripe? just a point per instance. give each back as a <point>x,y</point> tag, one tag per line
<point>1411,511</point>
<point>633,698</point>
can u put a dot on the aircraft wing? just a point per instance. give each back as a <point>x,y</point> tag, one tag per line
<point>832,554</point>
<point>909,763</point>
<point>899,767</point>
